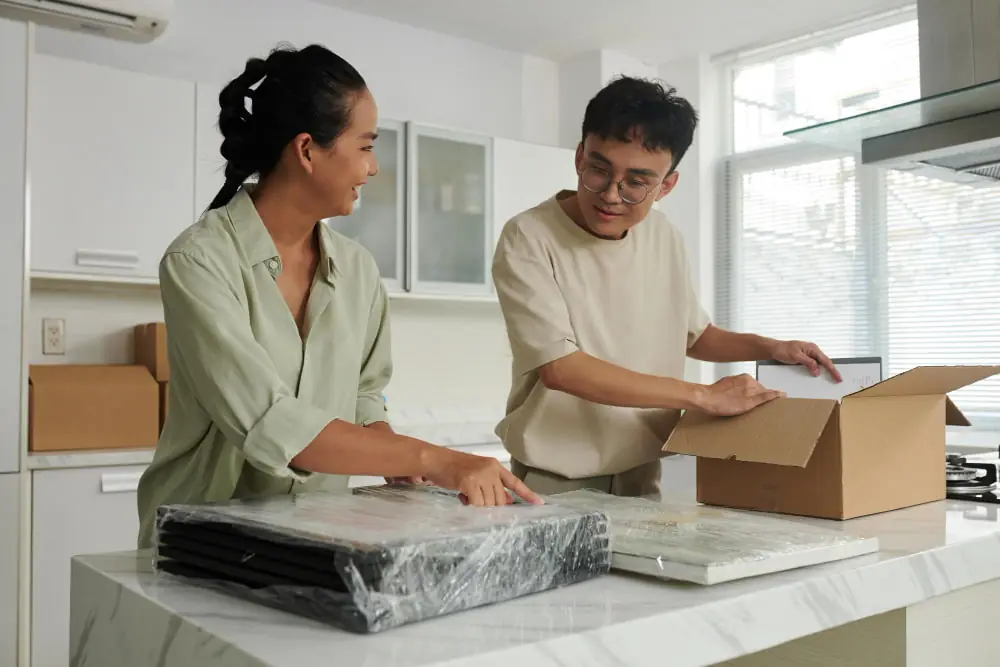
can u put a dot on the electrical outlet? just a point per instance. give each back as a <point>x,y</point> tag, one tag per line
<point>53,336</point>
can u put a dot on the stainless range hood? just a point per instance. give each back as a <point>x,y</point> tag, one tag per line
<point>952,132</point>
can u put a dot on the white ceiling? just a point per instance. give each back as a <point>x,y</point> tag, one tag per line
<point>654,30</point>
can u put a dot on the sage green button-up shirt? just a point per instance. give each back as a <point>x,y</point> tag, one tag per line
<point>246,392</point>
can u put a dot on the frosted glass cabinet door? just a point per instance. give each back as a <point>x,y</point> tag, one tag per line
<point>378,220</point>
<point>451,211</point>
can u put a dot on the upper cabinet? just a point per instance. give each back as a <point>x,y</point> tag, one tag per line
<point>111,168</point>
<point>379,218</point>
<point>450,210</point>
<point>525,175</point>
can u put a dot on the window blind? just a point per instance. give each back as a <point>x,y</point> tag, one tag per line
<point>941,302</point>
<point>860,260</point>
<point>801,263</point>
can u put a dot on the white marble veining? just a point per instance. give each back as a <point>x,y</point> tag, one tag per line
<point>124,614</point>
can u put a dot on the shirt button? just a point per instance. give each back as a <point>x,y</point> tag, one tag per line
<point>272,264</point>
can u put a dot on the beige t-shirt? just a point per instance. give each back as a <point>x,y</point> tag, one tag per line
<point>628,301</point>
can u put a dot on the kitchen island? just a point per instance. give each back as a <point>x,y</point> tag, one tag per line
<point>924,599</point>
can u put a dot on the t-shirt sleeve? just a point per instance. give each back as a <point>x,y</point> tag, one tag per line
<point>534,311</point>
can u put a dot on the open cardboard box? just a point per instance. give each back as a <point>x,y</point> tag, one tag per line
<point>878,449</point>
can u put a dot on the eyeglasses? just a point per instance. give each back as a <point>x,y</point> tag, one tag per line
<point>631,190</point>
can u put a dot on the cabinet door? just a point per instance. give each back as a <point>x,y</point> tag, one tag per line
<point>525,175</point>
<point>76,511</point>
<point>10,516</point>
<point>450,211</point>
<point>13,102</point>
<point>379,217</point>
<point>112,169</point>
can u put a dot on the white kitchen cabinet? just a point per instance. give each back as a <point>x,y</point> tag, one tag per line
<point>13,101</point>
<point>526,174</point>
<point>450,202</point>
<point>76,511</point>
<point>379,218</point>
<point>10,515</point>
<point>110,154</point>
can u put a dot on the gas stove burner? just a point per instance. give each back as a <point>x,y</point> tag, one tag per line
<point>971,489</point>
<point>956,473</point>
<point>971,480</point>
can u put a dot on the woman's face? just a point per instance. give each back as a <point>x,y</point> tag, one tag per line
<point>337,172</point>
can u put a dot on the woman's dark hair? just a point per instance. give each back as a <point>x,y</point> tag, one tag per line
<point>630,109</point>
<point>308,90</point>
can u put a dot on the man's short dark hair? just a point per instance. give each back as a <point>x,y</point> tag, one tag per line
<point>630,109</point>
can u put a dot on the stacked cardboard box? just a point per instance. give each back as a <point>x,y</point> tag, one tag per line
<point>150,347</point>
<point>82,407</point>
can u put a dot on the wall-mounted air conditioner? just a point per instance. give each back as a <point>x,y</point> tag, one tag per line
<point>128,20</point>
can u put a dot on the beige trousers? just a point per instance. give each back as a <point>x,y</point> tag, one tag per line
<point>641,481</point>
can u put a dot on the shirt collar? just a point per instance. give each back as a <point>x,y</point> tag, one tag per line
<point>258,244</point>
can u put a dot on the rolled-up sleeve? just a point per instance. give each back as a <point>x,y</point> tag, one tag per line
<point>534,311</point>
<point>377,367</point>
<point>233,377</point>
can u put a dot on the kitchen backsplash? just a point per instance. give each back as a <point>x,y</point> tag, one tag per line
<point>452,359</point>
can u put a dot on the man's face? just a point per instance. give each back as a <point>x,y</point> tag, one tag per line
<point>644,179</point>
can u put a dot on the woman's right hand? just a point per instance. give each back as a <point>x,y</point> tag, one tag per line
<point>734,395</point>
<point>481,479</point>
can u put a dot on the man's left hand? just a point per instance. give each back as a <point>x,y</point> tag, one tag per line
<point>805,354</point>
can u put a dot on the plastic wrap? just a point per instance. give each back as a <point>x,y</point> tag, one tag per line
<point>379,557</point>
<point>676,539</point>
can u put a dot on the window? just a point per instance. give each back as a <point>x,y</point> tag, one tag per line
<point>860,260</point>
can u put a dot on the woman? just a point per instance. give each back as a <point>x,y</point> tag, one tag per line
<point>277,327</point>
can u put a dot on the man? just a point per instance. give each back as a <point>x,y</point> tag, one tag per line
<point>600,310</point>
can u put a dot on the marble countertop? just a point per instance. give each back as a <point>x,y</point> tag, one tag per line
<point>926,551</point>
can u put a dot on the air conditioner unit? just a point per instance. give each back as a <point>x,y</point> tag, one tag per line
<point>128,20</point>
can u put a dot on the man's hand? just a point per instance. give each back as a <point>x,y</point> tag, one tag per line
<point>733,395</point>
<point>805,354</point>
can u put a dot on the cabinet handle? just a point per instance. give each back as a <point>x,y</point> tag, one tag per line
<point>120,482</point>
<point>109,259</point>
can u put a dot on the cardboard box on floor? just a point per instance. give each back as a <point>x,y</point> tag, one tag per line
<point>876,450</point>
<point>150,350</point>
<point>82,407</point>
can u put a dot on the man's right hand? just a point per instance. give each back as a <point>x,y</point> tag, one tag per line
<point>481,479</point>
<point>733,395</point>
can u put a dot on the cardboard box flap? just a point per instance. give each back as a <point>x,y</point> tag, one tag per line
<point>953,416</point>
<point>41,376</point>
<point>928,381</point>
<point>782,432</point>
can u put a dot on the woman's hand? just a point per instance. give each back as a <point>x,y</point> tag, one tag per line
<point>482,480</point>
